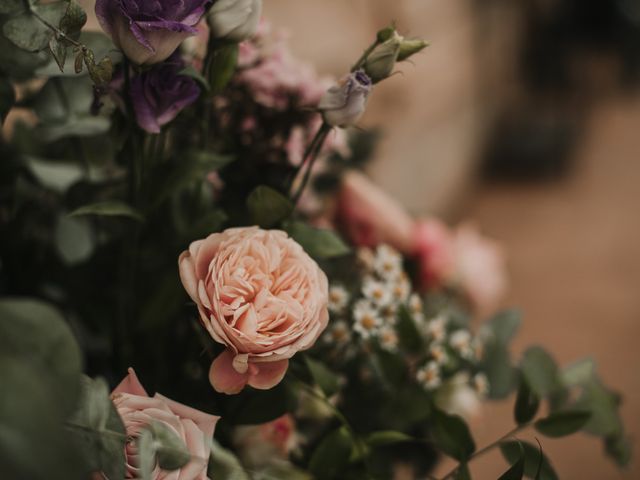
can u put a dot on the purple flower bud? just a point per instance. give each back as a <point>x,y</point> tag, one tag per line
<point>343,104</point>
<point>160,93</point>
<point>149,31</point>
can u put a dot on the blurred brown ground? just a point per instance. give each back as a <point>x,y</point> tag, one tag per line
<point>574,257</point>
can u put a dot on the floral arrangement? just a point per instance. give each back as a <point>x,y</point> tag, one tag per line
<point>185,200</point>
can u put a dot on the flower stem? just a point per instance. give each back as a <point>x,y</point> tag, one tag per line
<point>489,447</point>
<point>311,153</point>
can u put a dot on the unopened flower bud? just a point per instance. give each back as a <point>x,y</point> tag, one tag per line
<point>411,47</point>
<point>380,62</point>
<point>234,20</point>
<point>343,104</point>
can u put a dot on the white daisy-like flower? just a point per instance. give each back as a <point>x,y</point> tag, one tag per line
<point>436,328</point>
<point>481,384</point>
<point>387,262</point>
<point>415,303</point>
<point>401,288</point>
<point>460,341</point>
<point>389,314</point>
<point>429,376</point>
<point>377,292</point>
<point>338,298</point>
<point>367,319</point>
<point>438,353</point>
<point>338,333</point>
<point>388,338</point>
<point>366,258</point>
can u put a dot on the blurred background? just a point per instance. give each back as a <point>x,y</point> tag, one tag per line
<point>525,116</point>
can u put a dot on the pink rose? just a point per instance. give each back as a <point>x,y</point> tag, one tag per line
<point>480,268</point>
<point>260,295</point>
<point>369,216</point>
<point>433,246</point>
<point>194,427</point>
<point>260,445</point>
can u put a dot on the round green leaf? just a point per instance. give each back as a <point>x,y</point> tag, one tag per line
<point>560,424</point>
<point>451,435</point>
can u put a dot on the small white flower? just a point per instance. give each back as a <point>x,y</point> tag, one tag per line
<point>377,292</point>
<point>367,319</point>
<point>234,20</point>
<point>481,384</point>
<point>436,328</point>
<point>338,298</point>
<point>387,262</point>
<point>415,303</point>
<point>401,288</point>
<point>366,258</point>
<point>338,333</point>
<point>460,341</point>
<point>429,376</point>
<point>438,353</point>
<point>388,339</point>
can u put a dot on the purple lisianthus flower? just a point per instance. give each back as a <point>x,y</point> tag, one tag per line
<point>160,93</point>
<point>149,31</point>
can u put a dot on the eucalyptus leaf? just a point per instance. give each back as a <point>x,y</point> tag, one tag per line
<point>603,404</point>
<point>73,239</point>
<point>30,33</point>
<point>536,464</point>
<point>171,452</point>
<point>562,423</point>
<point>318,243</point>
<point>451,435</point>
<point>527,404</point>
<point>59,52</point>
<point>322,376</point>
<point>11,6</point>
<point>82,126</point>
<point>619,448</point>
<point>505,325</point>
<point>387,437</point>
<point>463,472</point>
<point>540,372</point>
<point>57,176</point>
<point>111,208</point>
<point>332,455</point>
<point>268,207</point>
<point>35,332</point>
<point>516,471</point>
<point>578,373</point>
<point>73,20</point>
<point>146,454</point>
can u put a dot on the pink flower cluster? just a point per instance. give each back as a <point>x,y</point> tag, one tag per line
<point>459,258</point>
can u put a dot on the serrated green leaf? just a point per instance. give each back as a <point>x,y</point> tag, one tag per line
<point>387,437</point>
<point>322,376</point>
<point>318,243</point>
<point>268,207</point>
<point>222,67</point>
<point>516,471</point>
<point>536,464</point>
<point>527,404</point>
<point>540,372</point>
<point>332,455</point>
<point>451,435</point>
<point>171,452</point>
<point>562,423</point>
<point>112,208</point>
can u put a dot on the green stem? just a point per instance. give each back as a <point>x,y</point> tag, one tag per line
<point>363,58</point>
<point>312,153</point>
<point>489,447</point>
<point>59,33</point>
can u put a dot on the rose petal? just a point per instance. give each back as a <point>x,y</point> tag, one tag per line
<point>223,377</point>
<point>268,374</point>
<point>131,384</point>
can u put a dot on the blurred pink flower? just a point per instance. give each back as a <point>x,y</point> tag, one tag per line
<point>369,216</point>
<point>259,445</point>
<point>480,269</point>
<point>138,410</point>
<point>260,295</point>
<point>434,251</point>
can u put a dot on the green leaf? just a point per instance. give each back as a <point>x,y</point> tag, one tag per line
<point>146,455</point>
<point>562,423</point>
<point>59,52</point>
<point>101,72</point>
<point>35,332</point>
<point>536,464</point>
<point>332,455</point>
<point>73,240</point>
<point>171,452</point>
<point>619,448</point>
<point>527,404</point>
<point>57,176</point>
<point>496,361</point>
<point>7,97</point>
<point>100,44</point>
<point>100,429</point>
<point>83,126</point>
<point>73,20</point>
<point>223,66</point>
<point>540,372</point>
<point>578,373</point>
<point>111,208</point>
<point>316,242</point>
<point>516,471</point>
<point>11,6</point>
<point>451,435</point>
<point>387,437</point>
<point>505,325</point>
<point>260,406</point>
<point>603,405</point>
<point>322,376</point>
<point>408,334</point>
<point>29,33</point>
<point>223,464</point>
<point>190,71</point>
<point>268,207</point>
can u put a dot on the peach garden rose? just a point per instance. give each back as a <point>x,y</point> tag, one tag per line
<point>194,427</point>
<point>260,295</point>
